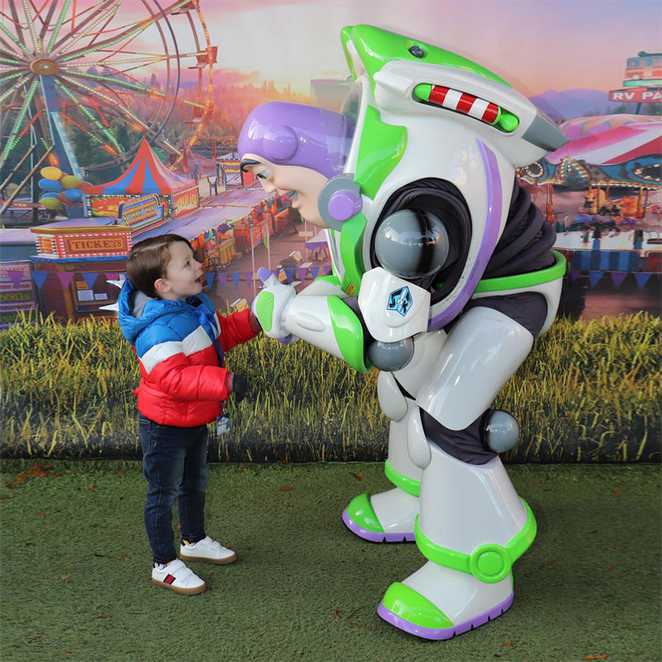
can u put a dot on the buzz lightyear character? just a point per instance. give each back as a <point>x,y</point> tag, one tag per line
<point>443,275</point>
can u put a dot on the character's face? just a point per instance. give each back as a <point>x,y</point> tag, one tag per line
<point>303,185</point>
<point>183,275</point>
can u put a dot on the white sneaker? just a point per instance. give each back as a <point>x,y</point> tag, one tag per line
<point>178,578</point>
<point>207,549</point>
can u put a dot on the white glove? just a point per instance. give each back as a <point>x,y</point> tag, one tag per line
<point>270,305</point>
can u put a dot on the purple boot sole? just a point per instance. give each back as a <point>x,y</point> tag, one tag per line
<point>372,536</point>
<point>448,633</point>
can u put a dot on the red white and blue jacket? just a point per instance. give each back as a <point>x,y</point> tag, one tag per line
<point>180,346</point>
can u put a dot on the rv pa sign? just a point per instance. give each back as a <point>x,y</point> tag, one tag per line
<point>637,95</point>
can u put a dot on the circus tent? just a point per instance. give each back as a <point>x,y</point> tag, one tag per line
<point>145,175</point>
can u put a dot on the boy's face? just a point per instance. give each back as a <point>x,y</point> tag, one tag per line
<point>183,275</point>
<point>304,185</point>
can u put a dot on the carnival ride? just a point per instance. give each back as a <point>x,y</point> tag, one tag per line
<point>614,158</point>
<point>81,81</point>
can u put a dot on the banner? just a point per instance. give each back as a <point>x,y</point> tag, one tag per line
<point>39,278</point>
<point>65,278</point>
<point>289,274</point>
<point>15,276</point>
<point>90,279</point>
<point>617,277</point>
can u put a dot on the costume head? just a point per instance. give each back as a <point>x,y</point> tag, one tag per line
<point>295,149</point>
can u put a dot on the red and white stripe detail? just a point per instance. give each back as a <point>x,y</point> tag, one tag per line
<point>196,341</point>
<point>465,103</point>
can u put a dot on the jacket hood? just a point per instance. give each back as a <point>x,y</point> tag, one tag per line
<point>137,311</point>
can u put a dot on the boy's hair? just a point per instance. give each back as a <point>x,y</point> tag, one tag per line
<point>148,261</point>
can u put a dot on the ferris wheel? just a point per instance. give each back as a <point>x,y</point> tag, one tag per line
<point>81,81</point>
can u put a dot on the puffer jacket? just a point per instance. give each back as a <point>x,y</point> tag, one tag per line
<point>180,346</point>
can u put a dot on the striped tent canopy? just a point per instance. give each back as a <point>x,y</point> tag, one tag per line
<point>146,174</point>
<point>580,127</point>
<point>610,140</point>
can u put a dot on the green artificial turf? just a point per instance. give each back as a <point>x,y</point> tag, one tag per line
<point>75,570</point>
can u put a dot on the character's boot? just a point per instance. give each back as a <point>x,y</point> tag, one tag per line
<point>389,516</point>
<point>472,528</point>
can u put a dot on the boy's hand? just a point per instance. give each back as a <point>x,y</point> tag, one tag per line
<point>239,387</point>
<point>270,304</point>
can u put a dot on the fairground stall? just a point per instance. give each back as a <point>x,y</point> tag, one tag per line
<point>75,259</point>
<point>612,163</point>
<point>217,231</point>
<point>16,290</point>
<point>145,175</point>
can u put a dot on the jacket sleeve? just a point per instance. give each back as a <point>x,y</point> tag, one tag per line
<point>161,353</point>
<point>235,328</point>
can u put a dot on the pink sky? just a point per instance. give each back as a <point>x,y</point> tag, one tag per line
<point>536,46</point>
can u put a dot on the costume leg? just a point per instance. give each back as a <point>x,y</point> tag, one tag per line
<point>389,516</point>
<point>472,528</point>
<point>472,525</point>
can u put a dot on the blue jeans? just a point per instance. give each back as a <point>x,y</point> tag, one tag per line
<point>175,466</point>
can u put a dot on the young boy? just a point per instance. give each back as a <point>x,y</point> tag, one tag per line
<point>179,340</point>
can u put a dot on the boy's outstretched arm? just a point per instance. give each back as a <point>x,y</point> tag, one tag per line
<point>237,328</point>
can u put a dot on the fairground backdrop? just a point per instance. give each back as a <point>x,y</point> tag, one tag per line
<point>186,80</point>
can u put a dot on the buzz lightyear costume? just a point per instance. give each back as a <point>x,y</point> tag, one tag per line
<point>443,274</point>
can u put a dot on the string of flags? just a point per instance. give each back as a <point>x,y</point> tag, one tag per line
<point>220,278</point>
<point>596,266</point>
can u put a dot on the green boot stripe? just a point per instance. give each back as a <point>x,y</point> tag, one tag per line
<point>488,563</point>
<point>360,512</point>
<point>410,605</point>
<point>406,484</point>
<point>522,281</point>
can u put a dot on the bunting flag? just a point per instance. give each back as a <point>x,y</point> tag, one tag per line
<point>289,274</point>
<point>90,279</point>
<point>629,261</point>
<point>65,278</point>
<point>39,278</point>
<point>584,260</point>
<point>112,275</point>
<point>15,276</point>
<point>617,277</point>
<point>642,278</point>
<point>623,261</point>
<point>603,260</point>
<point>595,277</point>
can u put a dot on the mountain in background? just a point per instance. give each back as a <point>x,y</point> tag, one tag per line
<point>567,104</point>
